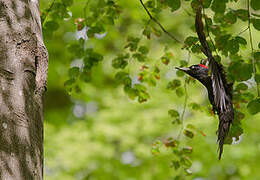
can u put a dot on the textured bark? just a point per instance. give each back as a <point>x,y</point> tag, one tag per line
<point>23,74</point>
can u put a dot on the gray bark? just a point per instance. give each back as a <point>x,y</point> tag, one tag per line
<point>23,74</point>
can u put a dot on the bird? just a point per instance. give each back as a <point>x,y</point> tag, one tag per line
<point>214,79</point>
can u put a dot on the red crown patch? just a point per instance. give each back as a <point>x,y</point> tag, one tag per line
<point>202,65</point>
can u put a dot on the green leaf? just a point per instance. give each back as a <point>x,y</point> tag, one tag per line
<point>140,87</point>
<point>131,92</point>
<point>257,56</point>
<point>76,49</point>
<point>143,97</point>
<point>139,57</point>
<point>180,73</point>
<point>218,6</point>
<point>236,130</point>
<point>179,92</point>
<point>147,32</point>
<point>155,150</point>
<point>242,14</point>
<point>239,116</point>
<point>233,46</point>
<point>173,113</point>
<point>120,61</point>
<point>254,106</point>
<point>256,23</point>
<point>255,4</point>
<point>188,133</point>
<point>173,4</point>
<point>240,71</point>
<point>166,58</point>
<point>122,77</point>
<point>257,78</point>
<point>51,25</point>
<point>241,40</point>
<point>222,42</point>
<point>242,86</point>
<point>195,4</point>
<point>196,48</point>
<point>74,72</point>
<point>178,177</point>
<point>230,17</point>
<point>91,58</point>
<point>170,142</point>
<point>143,49</point>
<point>150,4</point>
<point>186,162</point>
<point>174,84</point>
<point>175,164</point>
<point>194,106</point>
<point>67,2</point>
<point>183,63</point>
<point>86,75</point>
<point>132,43</point>
<point>69,82</point>
<point>189,41</point>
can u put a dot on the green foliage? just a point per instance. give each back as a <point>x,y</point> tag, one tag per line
<point>173,4</point>
<point>111,54</point>
<point>253,106</point>
<point>240,71</point>
<point>242,14</point>
<point>174,84</point>
<point>255,4</point>
<point>256,23</point>
<point>120,61</point>
<point>175,115</point>
<point>218,6</point>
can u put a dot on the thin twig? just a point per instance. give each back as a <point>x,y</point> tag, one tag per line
<point>207,27</point>
<point>241,32</point>
<point>252,48</point>
<point>159,24</point>
<point>48,10</point>
<point>185,102</point>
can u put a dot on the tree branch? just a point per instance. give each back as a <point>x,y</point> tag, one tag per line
<point>252,48</point>
<point>159,24</point>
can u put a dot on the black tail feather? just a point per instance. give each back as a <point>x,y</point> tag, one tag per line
<point>225,120</point>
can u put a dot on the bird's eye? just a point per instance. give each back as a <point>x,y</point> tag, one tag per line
<point>192,67</point>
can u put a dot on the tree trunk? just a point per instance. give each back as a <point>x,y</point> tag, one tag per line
<point>23,74</point>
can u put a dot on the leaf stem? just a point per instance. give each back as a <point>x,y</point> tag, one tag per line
<point>185,103</point>
<point>48,11</point>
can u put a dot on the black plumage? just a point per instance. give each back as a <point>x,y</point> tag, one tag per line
<point>214,79</point>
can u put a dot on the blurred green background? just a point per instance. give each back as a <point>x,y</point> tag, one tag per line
<point>100,134</point>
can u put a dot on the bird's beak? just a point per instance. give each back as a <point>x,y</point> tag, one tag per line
<point>184,69</point>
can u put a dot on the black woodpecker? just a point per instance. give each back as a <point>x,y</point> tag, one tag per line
<point>214,79</point>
